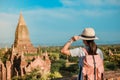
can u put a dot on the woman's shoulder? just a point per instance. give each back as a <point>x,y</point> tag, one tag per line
<point>99,50</point>
<point>77,52</point>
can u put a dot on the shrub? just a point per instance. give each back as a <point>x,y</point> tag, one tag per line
<point>54,56</point>
<point>56,65</point>
<point>73,59</point>
<point>110,65</point>
<point>55,75</point>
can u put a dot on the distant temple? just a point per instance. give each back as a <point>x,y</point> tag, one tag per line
<point>22,41</point>
<point>18,55</point>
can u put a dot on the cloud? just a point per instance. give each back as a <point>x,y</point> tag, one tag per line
<point>103,2</point>
<point>66,14</point>
<point>92,8</point>
<point>83,3</point>
<point>113,2</point>
<point>7,25</point>
<point>70,3</point>
<point>55,13</point>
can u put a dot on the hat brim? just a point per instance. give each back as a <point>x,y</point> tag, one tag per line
<point>84,38</point>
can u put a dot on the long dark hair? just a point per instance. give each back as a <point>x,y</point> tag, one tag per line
<point>92,47</point>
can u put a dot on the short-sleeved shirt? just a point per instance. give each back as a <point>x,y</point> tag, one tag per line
<point>78,52</point>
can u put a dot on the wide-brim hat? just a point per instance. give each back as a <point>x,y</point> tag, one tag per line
<point>88,34</point>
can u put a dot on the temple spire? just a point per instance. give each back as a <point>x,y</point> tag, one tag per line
<point>22,40</point>
<point>21,20</point>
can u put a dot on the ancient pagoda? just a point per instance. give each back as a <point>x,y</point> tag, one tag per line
<point>22,43</point>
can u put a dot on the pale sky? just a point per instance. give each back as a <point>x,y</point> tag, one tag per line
<point>53,22</point>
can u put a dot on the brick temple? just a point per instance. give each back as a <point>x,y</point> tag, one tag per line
<point>16,63</point>
<point>22,41</point>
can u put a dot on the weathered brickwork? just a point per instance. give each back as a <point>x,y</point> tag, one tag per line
<point>17,64</point>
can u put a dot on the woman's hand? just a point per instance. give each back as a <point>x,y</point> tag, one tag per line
<point>75,38</point>
<point>65,50</point>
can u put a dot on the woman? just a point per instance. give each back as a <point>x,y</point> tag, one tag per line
<point>88,37</point>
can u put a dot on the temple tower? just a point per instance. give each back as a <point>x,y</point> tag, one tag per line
<point>22,41</point>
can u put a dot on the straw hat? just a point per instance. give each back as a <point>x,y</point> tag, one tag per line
<point>88,34</point>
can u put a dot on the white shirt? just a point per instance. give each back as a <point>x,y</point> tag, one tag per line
<point>78,52</point>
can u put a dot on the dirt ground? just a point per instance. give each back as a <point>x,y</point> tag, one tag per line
<point>109,75</point>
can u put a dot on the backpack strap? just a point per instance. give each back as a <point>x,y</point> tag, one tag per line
<point>94,67</point>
